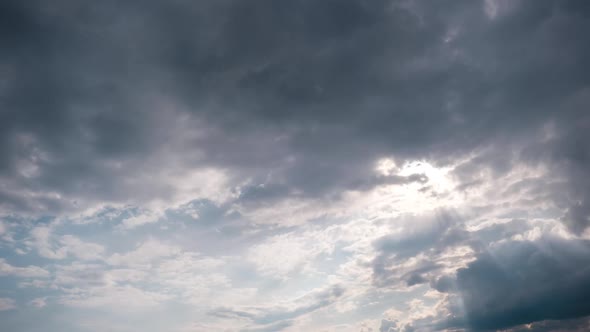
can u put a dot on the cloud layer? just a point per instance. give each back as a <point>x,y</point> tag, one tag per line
<point>333,165</point>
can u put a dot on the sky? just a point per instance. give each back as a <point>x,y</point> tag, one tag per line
<point>301,165</point>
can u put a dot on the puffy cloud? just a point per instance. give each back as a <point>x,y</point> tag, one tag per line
<point>43,242</point>
<point>81,249</point>
<point>50,246</point>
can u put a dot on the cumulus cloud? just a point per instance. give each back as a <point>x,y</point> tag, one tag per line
<point>526,282</point>
<point>50,246</point>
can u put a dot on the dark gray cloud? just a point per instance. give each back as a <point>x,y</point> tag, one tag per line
<point>524,282</point>
<point>506,283</point>
<point>428,235</point>
<point>575,325</point>
<point>569,154</point>
<point>312,92</point>
<point>423,233</point>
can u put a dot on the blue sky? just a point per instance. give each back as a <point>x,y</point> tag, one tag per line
<point>310,165</point>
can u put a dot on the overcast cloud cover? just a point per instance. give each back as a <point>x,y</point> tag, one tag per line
<point>301,165</point>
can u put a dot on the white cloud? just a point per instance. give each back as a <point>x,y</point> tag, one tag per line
<point>24,272</point>
<point>7,304</point>
<point>95,285</point>
<point>120,297</point>
<point>147,252</point>
<point>50,246</point>
<point>117,276</point>
<point>80,249</point>
<point>142,218</point>
<point>199,280</point>
<point>42,241</point>
<point>39,302</point>
<point>283,254</point>
<point>80,276</point>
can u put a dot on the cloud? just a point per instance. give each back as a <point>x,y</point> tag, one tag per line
<point>42,241</point>
<point>127,297</point>
<point>81,249</point>
<point>525,282</point>
<point>417,154</point>
<point>7,304</point>
<point>39,302</point>
<point>281,255</point>
<point>387,325</point>
<point>416,249</point>
<point>146,277</point>
<point>279,326</point>
<point>23,272</point>
<point>50,246</point>
<point>576,325</point>
<point>138,220</point>
<point>145,253</point>
<point>281,316</point>
<point>295,89</point>
<point>498,276</point>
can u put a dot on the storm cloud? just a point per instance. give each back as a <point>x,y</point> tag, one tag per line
<point>524,282</point>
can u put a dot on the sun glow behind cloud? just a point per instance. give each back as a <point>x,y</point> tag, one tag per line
<point>434,189</point>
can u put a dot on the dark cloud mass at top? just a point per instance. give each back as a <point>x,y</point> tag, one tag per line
<point>342,82</point>
<point>250,106</point>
